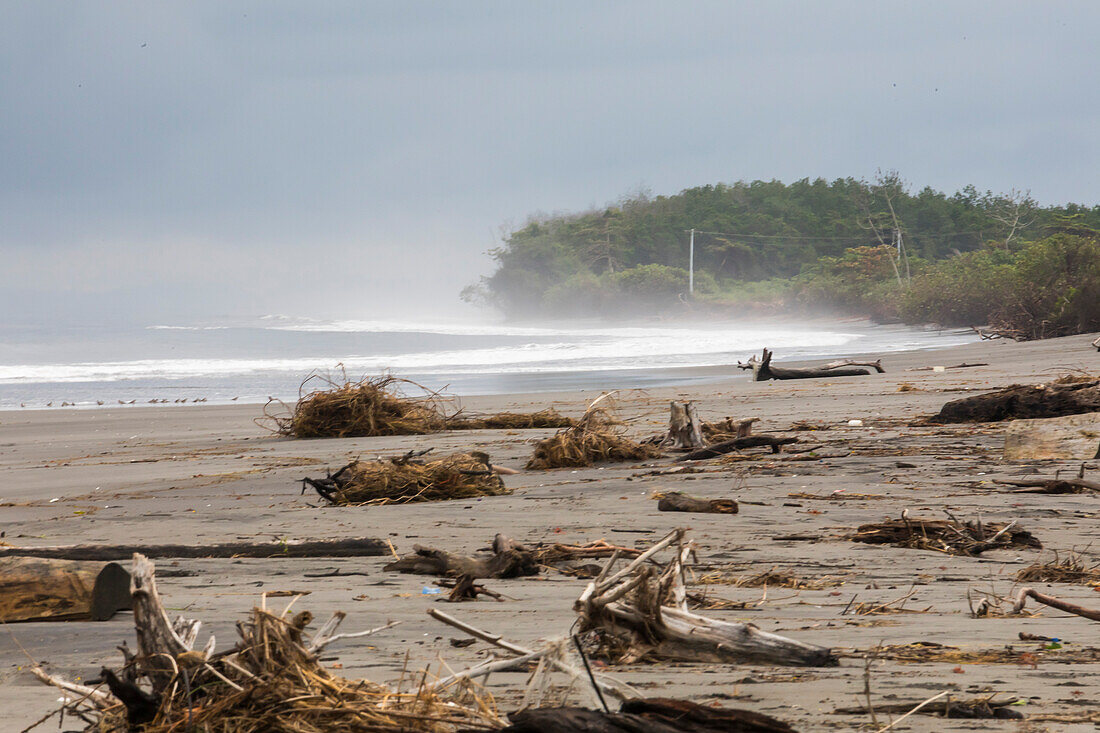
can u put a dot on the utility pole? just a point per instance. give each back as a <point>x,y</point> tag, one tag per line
<point>691,264</point>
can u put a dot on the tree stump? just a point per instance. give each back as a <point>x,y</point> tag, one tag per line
<point>685,430</point>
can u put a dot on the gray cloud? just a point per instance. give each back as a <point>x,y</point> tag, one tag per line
<point>190,159</point>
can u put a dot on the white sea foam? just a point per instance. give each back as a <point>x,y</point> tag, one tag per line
<point>563,349</point>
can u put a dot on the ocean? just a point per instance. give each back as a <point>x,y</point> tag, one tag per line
<point>250,360</point>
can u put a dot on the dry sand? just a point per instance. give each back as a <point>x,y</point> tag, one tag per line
<point>200,474</point>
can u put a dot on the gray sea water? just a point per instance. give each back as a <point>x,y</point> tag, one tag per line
<point>249,360</point>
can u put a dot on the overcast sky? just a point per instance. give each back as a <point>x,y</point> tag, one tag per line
<point>183,160</point>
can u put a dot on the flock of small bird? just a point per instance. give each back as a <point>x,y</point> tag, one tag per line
<point>154,401</point>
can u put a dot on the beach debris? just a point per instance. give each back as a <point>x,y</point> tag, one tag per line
<point>464,588</point>
<point>1096,343</point>
<point>1069,395</point>
<point>405,479</point>
<point>875,608</point>
<point>1024,593</point>
<point>964,365</point>
<point>1069,568</point>
<point>651,715</point>
<point>640,612</point>
<point>676,501</point>
<point>948,536</point>
<point>1056,485</point>
<point>975,708</point>
<point>509,559</point>
<point>807,425</point>
<point>728,429</point>
<point>508,563</point>
<point>928,652</point>
<point>270,681</point>
<point>283,548</point>
<point>40,589</point>
<point>771,578</point>
<point>762,369</point>
<point>774,442</point>
<point>1070,437</point>
<point>385,405</point>
<point>597,437</point>
<point>685,430</point>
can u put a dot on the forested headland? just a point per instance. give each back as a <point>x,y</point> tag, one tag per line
<point>872,248</point>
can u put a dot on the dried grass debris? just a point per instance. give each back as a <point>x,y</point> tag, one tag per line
<point>597,437</point>
<point>948,536</point>
<point>403,480</point>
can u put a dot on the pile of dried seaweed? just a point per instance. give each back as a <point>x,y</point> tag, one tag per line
<point>772,578</point>
<point>548,418</point>
<point>404,480</point>
<point>596,438</point>
<point>374,406</point>
<point>386,405</point>
<point>947,536</point>
<point>1068,569</point>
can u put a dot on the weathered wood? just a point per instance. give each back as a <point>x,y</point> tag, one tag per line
<point>314,548</point>
<point>685,430</point>
<point>1074,437</point>
<point>650,715</point>
<point>762,369</point>
<point>35,589</point>
<point>675,501</point>
<point>776,443</point>
<point>1024,402</point>
<point>160,641</point>
<point>510,563</point>
<point>1024,593</point>
<point>644,612</point>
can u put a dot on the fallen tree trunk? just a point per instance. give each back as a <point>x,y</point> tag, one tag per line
<point>685,431</point>
<point>313,548</point>
<point>649,715</point>
<point>509,563</point>
<point>675,501</point>
<point>640,612</point>
<point>35,589</point>
<point>1056,485</point>
<point>762,369</point>
<point>1024,402</point>
<point>749,441</point>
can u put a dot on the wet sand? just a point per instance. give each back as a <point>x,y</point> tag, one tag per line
<point>200,474</point>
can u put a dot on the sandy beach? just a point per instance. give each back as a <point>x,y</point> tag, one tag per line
<point>209,474</point>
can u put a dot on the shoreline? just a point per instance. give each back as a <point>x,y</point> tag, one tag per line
<point>208,474</point>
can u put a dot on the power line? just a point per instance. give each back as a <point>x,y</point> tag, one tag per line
<point>745,235</point>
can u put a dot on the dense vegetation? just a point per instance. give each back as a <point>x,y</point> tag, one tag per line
<point>966,259</point>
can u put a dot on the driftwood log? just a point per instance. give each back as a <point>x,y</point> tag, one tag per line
<point>641,612</point>
<point>649,715</point>
<point>762,369</point>
<point>675,501</point>
<point>36,589</point>
<point>291,548</point>
<point>1024,402</point>
<point>1056,485</point>
<point>508,563</point>
<point>1024,593</point>
<point>685,430</point>
<point>776,443</point>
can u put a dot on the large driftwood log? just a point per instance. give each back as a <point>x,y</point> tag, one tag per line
<point>507,563</point>
<point>650,715</point>
<point>315,548</point>
<point>776,443</point>
<point>33,589</point>
<point>675,501</point>
<point>1024,402</point>
<point>644,612</point>
<point>762,369</point>
<point>685,430</point>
